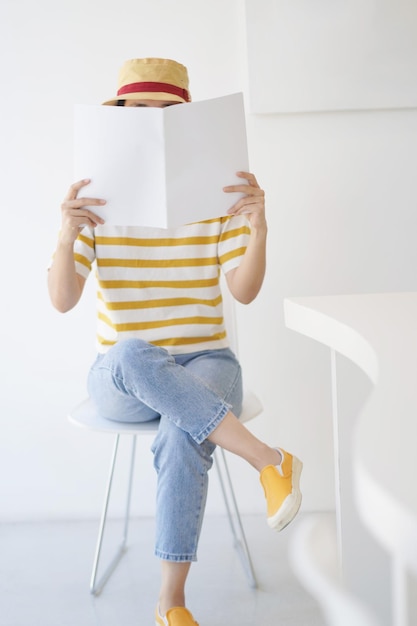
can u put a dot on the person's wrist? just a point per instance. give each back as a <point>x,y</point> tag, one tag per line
<point>67,240</point>
<point>260,228</point>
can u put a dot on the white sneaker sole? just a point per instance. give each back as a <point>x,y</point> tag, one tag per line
<point>291,505</point>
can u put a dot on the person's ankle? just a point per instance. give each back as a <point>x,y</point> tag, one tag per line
<point>271,456</point>
<point>166,603</point>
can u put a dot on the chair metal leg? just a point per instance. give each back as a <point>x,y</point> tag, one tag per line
<point>97,586</point>
<point>233,514</point>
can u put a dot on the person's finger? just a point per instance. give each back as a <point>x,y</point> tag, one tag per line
<point>75,188</point>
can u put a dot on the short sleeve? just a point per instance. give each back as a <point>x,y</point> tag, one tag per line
<point>84,252</point>
<point>233,241</point>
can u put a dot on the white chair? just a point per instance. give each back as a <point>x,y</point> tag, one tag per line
<point>314,557</point>
<point>85,415</point>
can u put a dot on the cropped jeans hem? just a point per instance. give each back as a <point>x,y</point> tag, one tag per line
<point>213,424</point>
<point>175,558</point>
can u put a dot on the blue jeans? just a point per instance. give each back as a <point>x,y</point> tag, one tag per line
<point>190,393</point>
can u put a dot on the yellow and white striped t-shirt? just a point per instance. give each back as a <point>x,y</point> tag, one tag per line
<point>162,285</point>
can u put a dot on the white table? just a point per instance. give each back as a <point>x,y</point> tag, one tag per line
<point>376,468</point>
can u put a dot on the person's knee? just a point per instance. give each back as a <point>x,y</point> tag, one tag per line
<point>130,350</point>
<point>129,346</point>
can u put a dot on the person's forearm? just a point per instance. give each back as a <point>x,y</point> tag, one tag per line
<point>64,284</point>
<point>246,280</point>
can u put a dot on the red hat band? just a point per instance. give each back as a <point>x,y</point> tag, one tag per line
<point>151,87</point>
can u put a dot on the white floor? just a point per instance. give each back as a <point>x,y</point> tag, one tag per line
<point>45,571</point>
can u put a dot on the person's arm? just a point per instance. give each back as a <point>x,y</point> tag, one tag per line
<point>246,280</point>
<point>64,284</point>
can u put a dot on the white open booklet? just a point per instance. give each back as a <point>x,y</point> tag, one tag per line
<point>161,167</point>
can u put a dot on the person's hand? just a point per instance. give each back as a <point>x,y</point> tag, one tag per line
<point>252,204</point>
<point>74,213</point>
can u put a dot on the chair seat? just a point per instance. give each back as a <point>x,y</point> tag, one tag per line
<point>86,416</point>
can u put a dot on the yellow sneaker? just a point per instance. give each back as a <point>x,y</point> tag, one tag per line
<point>177,616</point>
<point>281,485</point>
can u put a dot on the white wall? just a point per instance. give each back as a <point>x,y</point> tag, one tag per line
<point>340,190</point>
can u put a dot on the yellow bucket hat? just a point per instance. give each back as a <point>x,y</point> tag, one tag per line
<point>153,79</point>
